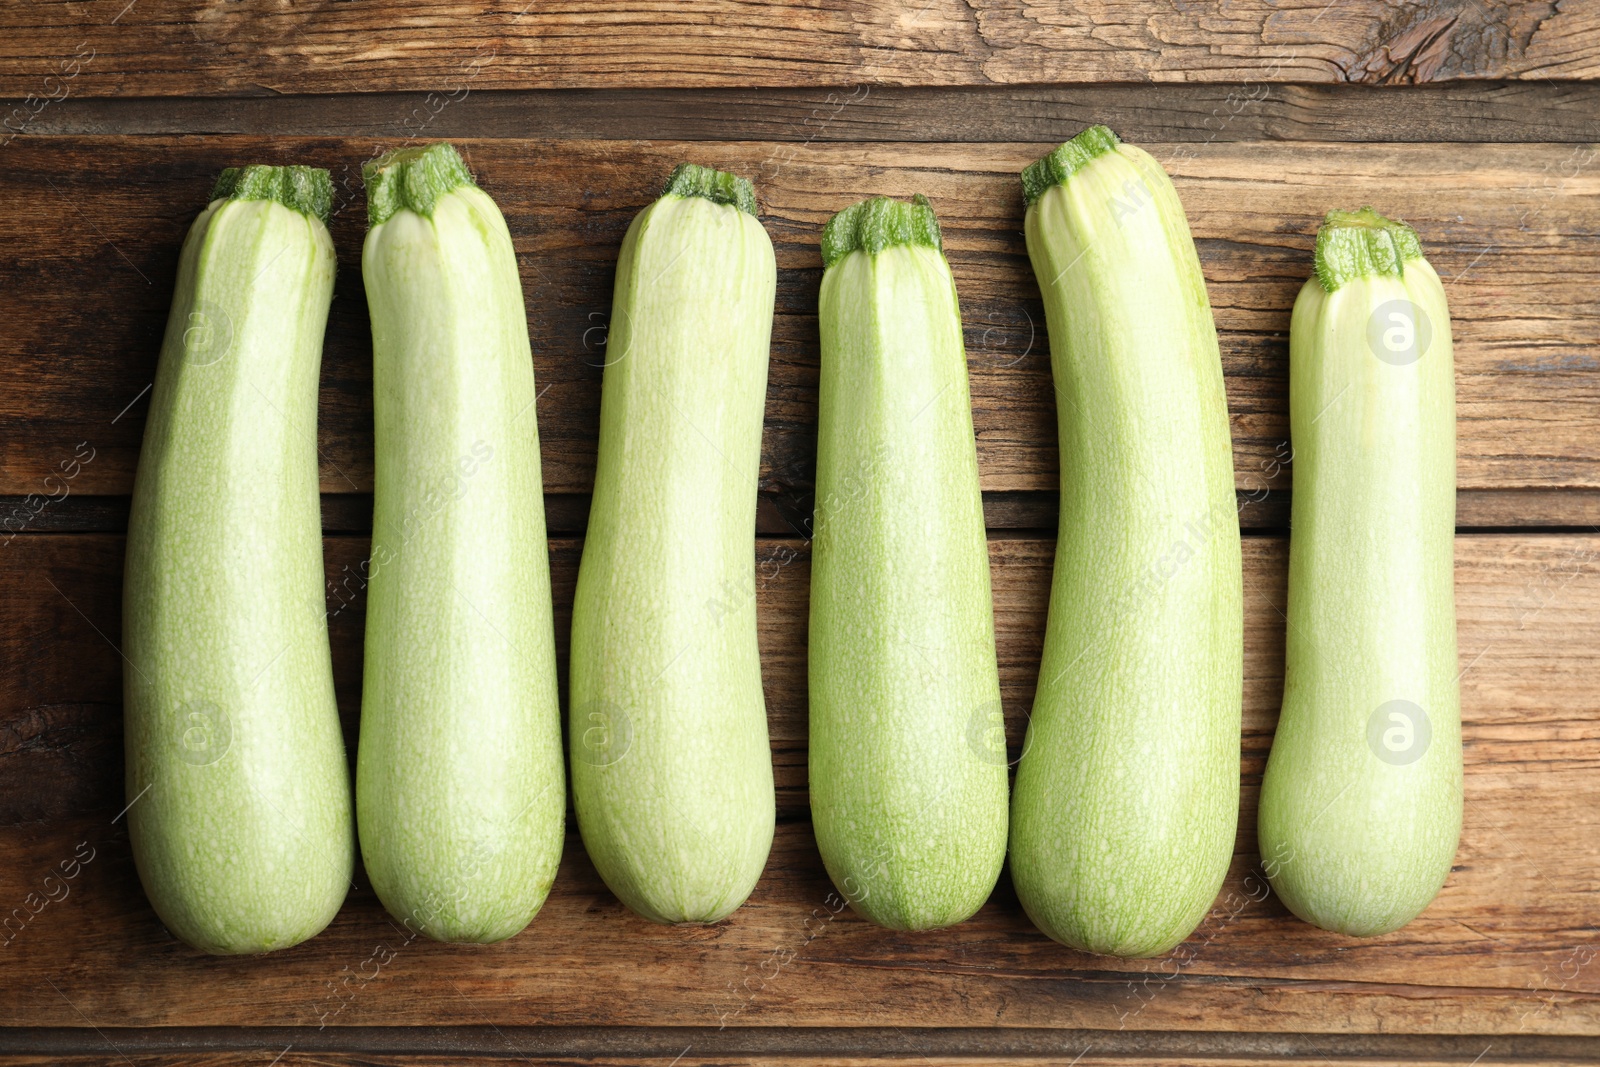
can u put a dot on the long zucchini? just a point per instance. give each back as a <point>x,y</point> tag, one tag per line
<point>671,769</point>
<point>1361,805</point>
<point>908,785</point>
<point>1127,794</point>
<point>238,790</point>
<point>461,792</point>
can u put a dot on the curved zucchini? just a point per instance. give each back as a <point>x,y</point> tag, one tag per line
<point>1127,794</point>
<point>238,788</point>
<point>671,769</point>
<point>461,792</point>
<point>908,789</point>
<point>1361,805</point>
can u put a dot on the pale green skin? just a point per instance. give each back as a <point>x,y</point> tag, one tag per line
<point>240,812</point>
<point>461,791</point>
<point>1127,794</point>
<point>907,751</point>
<point>1351,842</point>
<point>671,766</point>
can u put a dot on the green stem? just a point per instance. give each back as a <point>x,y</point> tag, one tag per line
<point>720,187</point>
<point>1356,244</point>
<point>412,179</point>
<point>308,190</point>
<point>1061,164</point>
<point>873,225</point>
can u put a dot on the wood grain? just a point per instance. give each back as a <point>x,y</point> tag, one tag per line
<point>1030,513</point>
<point>470,1046</point>
<point>1469,112</point>
<point>572,115</point>
<point>1507,949</point>
<point>1515,230</point>
<point>195,48</point>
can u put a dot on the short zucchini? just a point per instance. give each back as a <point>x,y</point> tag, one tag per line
<point>1361,806</point>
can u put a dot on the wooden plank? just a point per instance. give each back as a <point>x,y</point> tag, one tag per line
<point>461,1046</point>
<point>1508,948</point>
<point>1514,229</point>
<point>192,48</point>
<point>1470,112</point>
<point>263,1057</point>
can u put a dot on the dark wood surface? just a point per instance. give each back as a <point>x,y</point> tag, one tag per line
<point>479,1046</point>
<point>472,1046</point>
<point>1268,112</point>
<point>1462,112</point>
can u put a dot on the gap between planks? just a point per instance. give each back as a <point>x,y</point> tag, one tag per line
<point>1524,112</point>
<point>690,1045</point>
<point>1018,514</point>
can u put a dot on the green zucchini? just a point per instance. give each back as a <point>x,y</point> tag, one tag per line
<point>460,785</point>
<point>1361,804</point>
<point>908,788</point>
<point>237,785</point>
<point>671,767</point>
<point>1126,802</point>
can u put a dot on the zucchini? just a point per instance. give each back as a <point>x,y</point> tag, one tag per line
<point>460,785</point>
<point>1127,794</point>
<point>1361,805</point>
<point>908,799</point>
<point>237,785</point>
<point>671,768</point>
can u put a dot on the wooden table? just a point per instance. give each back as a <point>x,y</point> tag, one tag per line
<point>1473,121</point>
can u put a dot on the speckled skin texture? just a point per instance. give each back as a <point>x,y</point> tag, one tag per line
<point>1127,794</point>
<point>1354,842</point>
<point>461,790</point>
<point>241,817</point>
<point>907,752</point>
<point>671,769</point>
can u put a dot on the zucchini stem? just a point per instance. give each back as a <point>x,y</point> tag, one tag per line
<point>717,186</point>
<point>308,190</point>
<point>878,223</point>
<point>1054,169</point>
<point>1360,244</point>
<point>412,179</point>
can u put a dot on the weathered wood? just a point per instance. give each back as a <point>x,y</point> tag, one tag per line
<point>1515,231</point>
<point>1471,112</point>
<point>193,48</point>
<point>461,1046</point>
<point>1507,949</point>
